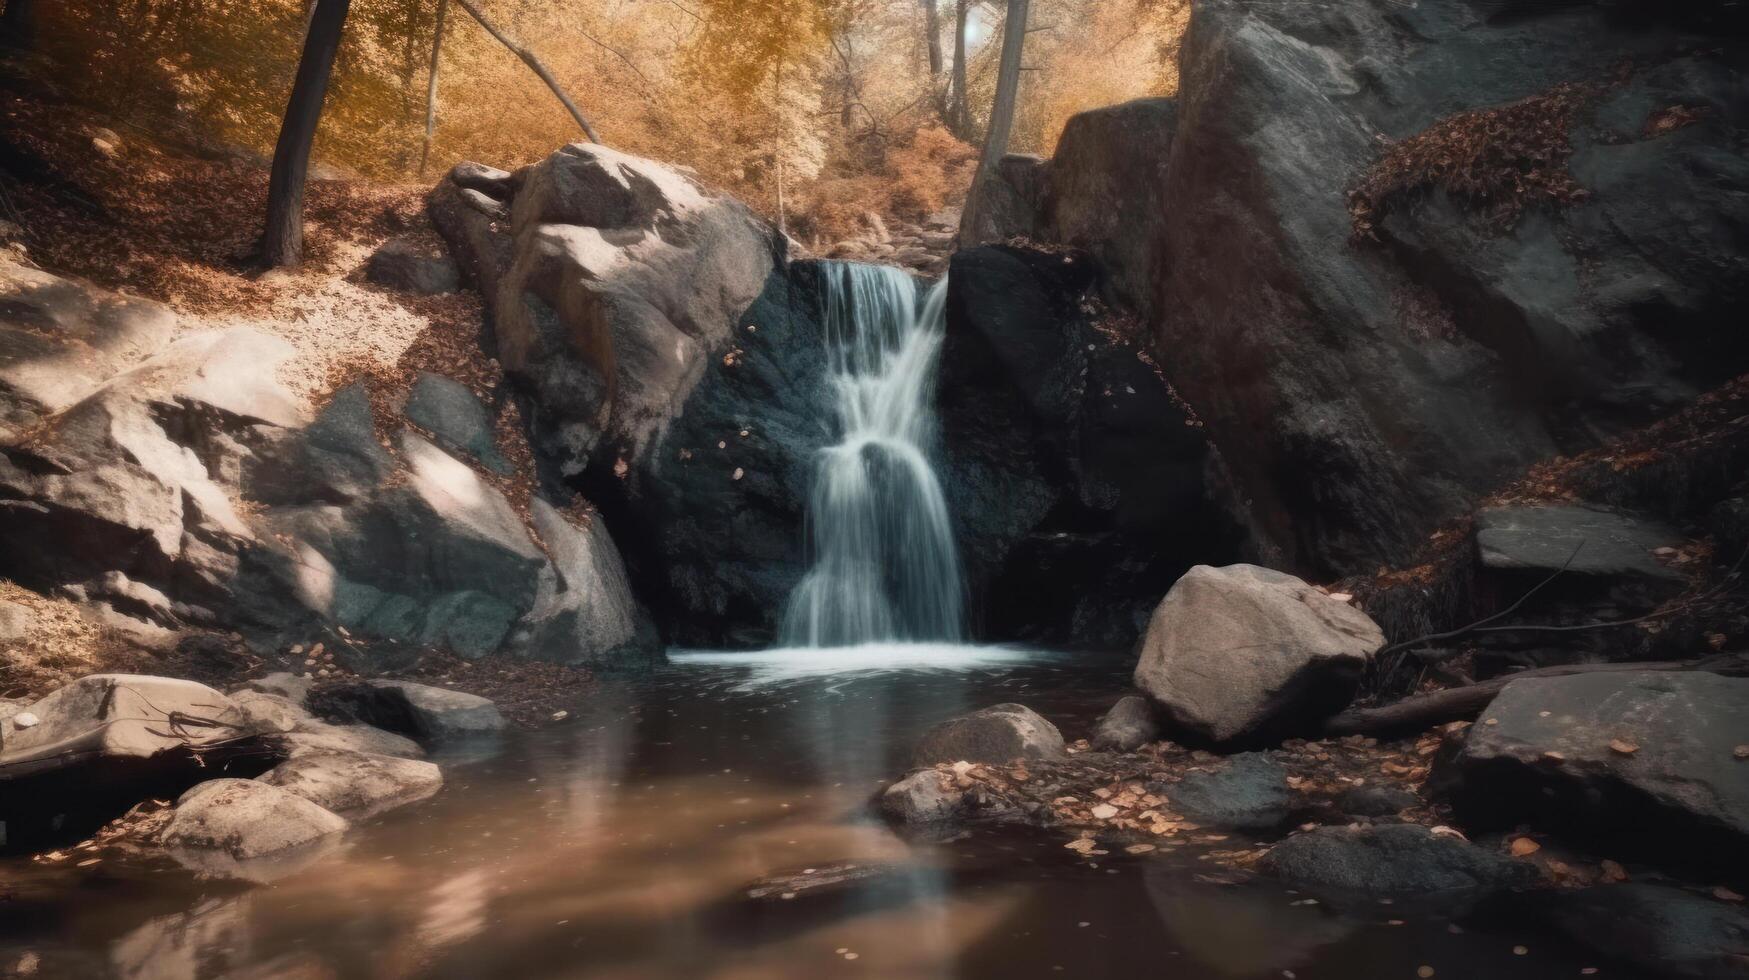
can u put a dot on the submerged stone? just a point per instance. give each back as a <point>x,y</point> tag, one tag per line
<point>996,735</point>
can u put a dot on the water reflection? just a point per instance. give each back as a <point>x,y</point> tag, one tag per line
<point>697,825</point>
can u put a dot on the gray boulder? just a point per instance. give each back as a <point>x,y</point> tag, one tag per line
<point>1362,392</point>
<point>1665,931</point>
<point>322,737</point>
<point>584,611</point>
<point>926,797</point>
<point>996,735</point>
<point>1590,543</point>
<point>1641,760</point>
<point>245,819</point>
<point>1249,793</point>
<point>450,412</point>
<point>1390,861</point>
<point>406,266</point>
<point>121,717</point>
<point>134,478</point>
<point>428,714</point>
<point>1376,800</point>
<point>1241,652</point>
<point>356,784</point>
<point>1129,725</point>
<point>626,277</point>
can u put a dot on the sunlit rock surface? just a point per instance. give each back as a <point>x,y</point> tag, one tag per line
<point>1242,652</point>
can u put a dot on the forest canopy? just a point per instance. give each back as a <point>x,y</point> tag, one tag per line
<point>822,110</point>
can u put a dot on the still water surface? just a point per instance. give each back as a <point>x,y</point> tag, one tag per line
<point>642,840</point>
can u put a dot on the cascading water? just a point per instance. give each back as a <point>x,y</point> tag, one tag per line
<point>885,567</point>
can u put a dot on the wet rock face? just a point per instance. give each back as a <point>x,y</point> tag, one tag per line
<point>1065,458</point>
<point>1238,653</point>
<point>1398,860</point>
<point>998,734</point>
<point>1664,930</point>
<point>1361,393</point>
<point>1641,761</point>
<point>711,520</point>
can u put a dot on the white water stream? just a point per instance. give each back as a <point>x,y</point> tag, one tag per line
<point>885,566</point>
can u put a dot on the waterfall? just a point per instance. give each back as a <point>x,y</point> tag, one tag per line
<point>885,566</point>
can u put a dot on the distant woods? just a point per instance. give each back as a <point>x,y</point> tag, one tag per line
<point>839,108</point>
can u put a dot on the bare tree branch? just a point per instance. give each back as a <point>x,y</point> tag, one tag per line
<point>534,65</point>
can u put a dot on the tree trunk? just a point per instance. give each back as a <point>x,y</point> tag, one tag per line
<point>534,65</point>
<point>1460,703</point>
<point>431,88</point>
<point>18,24</point>
<point>283,241</point>
<point>973,222</point>
<point>957,112</point>
<point>932,35</point>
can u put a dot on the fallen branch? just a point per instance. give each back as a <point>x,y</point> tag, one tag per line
<point>1462,703</point>
<point>533,63</point>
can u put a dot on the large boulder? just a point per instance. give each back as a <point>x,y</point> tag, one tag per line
<point>625,278</point>
<point>356,784</point>
<point>1363,391</point>
<point>120,716</point>
<point>137,476</point>
<point>1641,760</point>
<point>677,368</point>
<point>179,482</point>
<point>246,819</point>
<point>996,735</point>
<point>1242,652</point>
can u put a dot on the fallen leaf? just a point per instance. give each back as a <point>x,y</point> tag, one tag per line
<point>1524,846</point>
<point>1613,871</point>
<point>1724,894</point>
<point>1623,746</point>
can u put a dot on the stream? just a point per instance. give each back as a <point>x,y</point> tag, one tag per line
<point>663,835</point>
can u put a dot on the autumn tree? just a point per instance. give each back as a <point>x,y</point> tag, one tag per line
<point>975,219</point>
<point>283,241</point>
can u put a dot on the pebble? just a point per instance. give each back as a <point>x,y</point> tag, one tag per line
<point>25,719</point>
